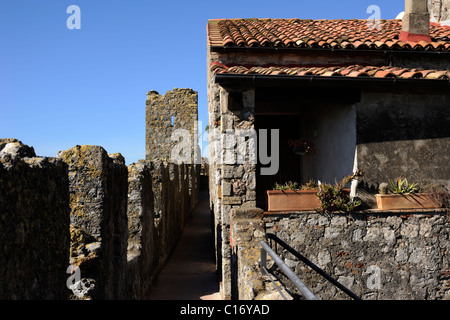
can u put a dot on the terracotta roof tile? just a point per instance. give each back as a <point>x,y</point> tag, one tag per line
<point>337,34</point>
<point>343,71</point>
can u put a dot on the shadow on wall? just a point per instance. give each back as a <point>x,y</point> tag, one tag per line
<point>403,135</point>
<point>402,117</point>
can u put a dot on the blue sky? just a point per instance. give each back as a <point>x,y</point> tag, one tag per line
<point>60,87</point>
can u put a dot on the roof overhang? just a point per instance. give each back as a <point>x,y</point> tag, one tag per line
<point>262,50</point>
<point>256,80</point>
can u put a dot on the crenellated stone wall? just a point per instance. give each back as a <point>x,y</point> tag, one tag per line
<point>134,217</point>
<point>160,199</point>
<point>84,219</point>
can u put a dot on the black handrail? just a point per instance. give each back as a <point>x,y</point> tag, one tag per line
<point>312,265</point>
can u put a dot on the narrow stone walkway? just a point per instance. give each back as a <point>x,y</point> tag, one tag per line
<point>190,273</point>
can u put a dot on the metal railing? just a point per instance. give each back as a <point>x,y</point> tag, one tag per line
<point>306,292</point>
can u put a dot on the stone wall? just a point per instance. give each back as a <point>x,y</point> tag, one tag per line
<point>85,216</point>
<point>232,181</point>
<point>403,135</point>
<point>378,256</point>
<point>34,224</point>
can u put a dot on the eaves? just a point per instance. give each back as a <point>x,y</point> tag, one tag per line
<point>256,80</point>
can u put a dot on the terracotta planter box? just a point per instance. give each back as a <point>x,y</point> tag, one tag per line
<point>287,200</point>
<point>405,201</point>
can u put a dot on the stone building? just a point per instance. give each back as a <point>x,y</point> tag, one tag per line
<point>171,121</point>
<point>365,98</point>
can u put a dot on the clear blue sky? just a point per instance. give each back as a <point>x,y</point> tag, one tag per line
<point>60,87</point>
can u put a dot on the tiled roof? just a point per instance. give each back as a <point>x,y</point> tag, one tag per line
<point>344,71</point>
<point>326,34</point>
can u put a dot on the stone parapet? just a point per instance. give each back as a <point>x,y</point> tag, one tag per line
<point>84,221</point>
<point>34,224</point>
<point>378,256</point>
<point>247,230</point>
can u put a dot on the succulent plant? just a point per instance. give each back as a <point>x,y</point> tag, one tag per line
<point>403,187</point>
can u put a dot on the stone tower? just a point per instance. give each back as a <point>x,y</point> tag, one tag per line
<point>171,126</point>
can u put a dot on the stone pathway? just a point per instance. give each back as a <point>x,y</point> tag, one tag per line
<point>190,273</point>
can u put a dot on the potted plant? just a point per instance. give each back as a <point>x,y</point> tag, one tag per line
<point>403,195</point>
<point>302,146</point>
<point>293,197</point>
<point>336,197</point>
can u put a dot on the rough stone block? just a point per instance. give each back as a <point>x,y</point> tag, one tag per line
<point>226,188</point>
<point>231,200</point>
<point>11,149</point>
<point>230,171</point>
<point>98,202</point>
<point>34,224</point>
